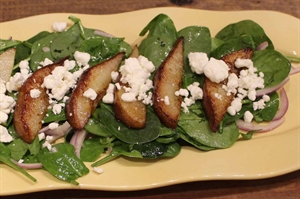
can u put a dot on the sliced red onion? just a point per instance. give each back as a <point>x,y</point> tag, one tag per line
<point>44,129</point>
<point>284,104</point>
<point>58,132</point>
<point>269,90</point>
<point>294,70</point>
<point>102,33</point>
<point>262,46</point>
<point>77,141</point>
<point>259,127</point>
<point>28,165</point>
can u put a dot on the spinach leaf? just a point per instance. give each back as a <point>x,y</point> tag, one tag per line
<point>160,39</point>
<point>167,135</point>
<point>5,44</point>
<point>243,27</point>
<point>67,42</point>
<point>24,48</point>
<point>161,24</point>
<point>173,150</point>
<point>131,136</point>
<point>38,54</point>
<point>151,149</point>
<point>34,147</point>
<point>63,164</point>
<point>215,43</point>
<point>101,48</point>
<point>52,117</point>
<point>5,158</point>
<point>197,128</point>
<point>92,149</point>
<point>183,135</point>
<point>120,148</point>
<point>273,64</point>
<point>17,148</point>
<point>270,109</point>
<point>95,127</point>
<point>196,39</point>
<point>245,41</point>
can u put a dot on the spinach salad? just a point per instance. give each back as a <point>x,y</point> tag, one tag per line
<point>102,132</point>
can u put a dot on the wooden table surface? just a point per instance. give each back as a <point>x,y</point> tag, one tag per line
<point>285,187</point>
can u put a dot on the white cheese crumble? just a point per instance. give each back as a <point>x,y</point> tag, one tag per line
<point>41,136</point>
<point>167,100</point>
<point>53,125</point>
<point>82,58</point>
<point>198,61</point>
<point>98,170</point>
<point>46,62</point>
<point>216,70</point>
<point>57,108</point>
<point>136,73</point>
<point>15,82</point>
<point>236,106</point>
<point>191,94</point>
<point>248,116</point>
<point>7,105</point>
<point>114,76</point>
<point>4,135</point>
<point>90,93</point>
<point>47,144</point>
<point>59,26</point>
<point>35,93</point>
<point>109,98</point>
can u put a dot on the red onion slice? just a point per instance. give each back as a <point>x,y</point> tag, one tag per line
<point>58,132</point>
<point>284,104</point>
<point>77,141</point>
<point>28,165</point>
<point>102,33</point>
<point>262,46</point>
<point>294,70</point>
<point>259,127</point>
<point>269,90</point>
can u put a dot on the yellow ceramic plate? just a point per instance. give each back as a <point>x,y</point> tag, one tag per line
<point>266,155</point>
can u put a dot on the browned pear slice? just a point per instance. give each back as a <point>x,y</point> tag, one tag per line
<point>135,52</point>
<point>30,111</point>
<point>7,59</point>
<point>132,114</point>
<point>97,78</point>
<point>167,81</point>
<point>215,108</point>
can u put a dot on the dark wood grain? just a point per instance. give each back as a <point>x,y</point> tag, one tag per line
<point>15,9</point>
<point>281,187</point>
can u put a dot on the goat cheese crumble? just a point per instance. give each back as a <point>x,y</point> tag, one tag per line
<point>90,93</point>
<point>59,26</point>
<point>4,135</point>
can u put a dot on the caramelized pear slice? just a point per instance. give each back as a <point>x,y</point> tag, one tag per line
<point>168,80</point>
<point>132,114</point>
<point>216,107</point>
<point>96,79</point>
<point>7,59</point>
<point>30,111</point>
